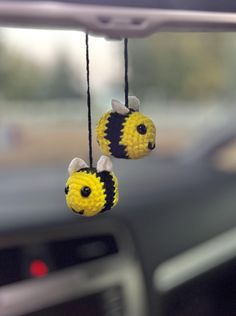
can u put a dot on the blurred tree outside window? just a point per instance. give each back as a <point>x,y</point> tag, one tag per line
<point>185,81</point>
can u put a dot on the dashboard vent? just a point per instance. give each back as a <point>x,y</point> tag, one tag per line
<point>10,266</point>
<point>39,260</point>
<point>80,250</point>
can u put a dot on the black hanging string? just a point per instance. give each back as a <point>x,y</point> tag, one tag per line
<point>126,87</point>
<point>89,103</point>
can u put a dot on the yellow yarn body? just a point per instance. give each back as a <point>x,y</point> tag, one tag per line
<point>101,133</point>
<point>97,199</point>
<point>137,144</point>
<point>118,136</point>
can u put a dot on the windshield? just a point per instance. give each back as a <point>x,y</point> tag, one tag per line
<point>185,81</point>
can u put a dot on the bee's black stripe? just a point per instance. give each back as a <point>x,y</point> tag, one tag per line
<point>113,133</point>
<point>109,187</point>
<point>87,170</point>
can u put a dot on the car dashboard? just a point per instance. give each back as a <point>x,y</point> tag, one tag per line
<point>134,260</point>
<point>89,269</point>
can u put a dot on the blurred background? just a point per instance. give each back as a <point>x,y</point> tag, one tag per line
<point>185,81</point>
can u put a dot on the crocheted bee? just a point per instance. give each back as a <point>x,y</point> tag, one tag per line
<point>90,191</point>
<point>125,132</point>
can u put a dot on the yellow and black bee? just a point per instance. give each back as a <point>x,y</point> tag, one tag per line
<point>90,191</point>
<point>125,132</point>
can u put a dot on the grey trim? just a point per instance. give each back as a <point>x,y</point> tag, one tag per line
<point>109,21</point>
<point>195,262</point>
<point>122,269</point>
<point>73,283</point>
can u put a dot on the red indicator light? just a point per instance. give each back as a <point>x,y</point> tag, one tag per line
<point>38,268</point>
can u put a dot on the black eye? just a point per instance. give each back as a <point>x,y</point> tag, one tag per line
<point>67,189</point>
<point>85,191</point>
<point>142,129</point>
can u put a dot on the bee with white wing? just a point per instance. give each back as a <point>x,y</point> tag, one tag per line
<point>126,133</point>
<point>90,191</point>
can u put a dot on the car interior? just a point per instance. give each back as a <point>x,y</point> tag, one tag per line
<point>168,248</point>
